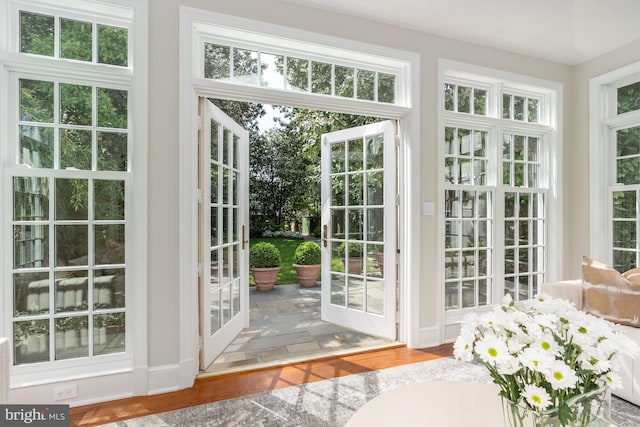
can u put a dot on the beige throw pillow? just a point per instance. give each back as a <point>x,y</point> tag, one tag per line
<point>609,294</point>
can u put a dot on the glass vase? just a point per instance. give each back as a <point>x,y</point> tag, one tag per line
<point>590,409</point>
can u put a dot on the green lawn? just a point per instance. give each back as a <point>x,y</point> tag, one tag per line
<point>287,248</point>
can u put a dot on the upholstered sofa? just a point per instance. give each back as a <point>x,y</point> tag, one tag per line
<point>574,291</point>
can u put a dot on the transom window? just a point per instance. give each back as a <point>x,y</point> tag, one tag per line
<point>254,67</point>
<point>494,151</point>
<point>66,38</point>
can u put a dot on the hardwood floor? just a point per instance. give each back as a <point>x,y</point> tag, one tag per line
<point>221,387</point>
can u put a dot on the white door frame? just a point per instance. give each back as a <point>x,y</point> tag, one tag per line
<point>409,218</point>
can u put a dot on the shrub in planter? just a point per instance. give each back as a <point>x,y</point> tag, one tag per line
<point>355,250</point>
<point>306,262</point>
<point>264,261</point>
<point>307,253</point>
<point>352,256</point>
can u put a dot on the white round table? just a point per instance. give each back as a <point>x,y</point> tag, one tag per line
<point>433,404</point>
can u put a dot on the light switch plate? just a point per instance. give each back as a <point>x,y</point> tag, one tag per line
<point>428,208</point>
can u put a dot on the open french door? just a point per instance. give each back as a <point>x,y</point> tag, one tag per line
<point>223,220</point>
<point>359,229</point>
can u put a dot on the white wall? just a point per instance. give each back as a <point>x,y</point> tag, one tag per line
<point>163,134</point>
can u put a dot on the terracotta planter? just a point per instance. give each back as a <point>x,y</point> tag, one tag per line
<point>355,265</point>
<point>265,278</point>
<point>307,274</point>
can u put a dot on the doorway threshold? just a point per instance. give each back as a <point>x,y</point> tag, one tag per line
<point>285,328</point>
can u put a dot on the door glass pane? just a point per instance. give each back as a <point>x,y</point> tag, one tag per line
<point>356,160</point>
<point>338,225</point>
<point>337,190</point>
<point>356,224</point>
<point>375,224</point>
<point>355,293</point>
<point>375,260</point>
<point>338,289</point>
<point>375,296</point>
<point>337,157</point>
<point>215,314</point>
<point>375,151</point>
<point>375,188</point>
<point>356,189</point>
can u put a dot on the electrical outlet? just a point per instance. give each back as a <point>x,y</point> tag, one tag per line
<point>65,392</point>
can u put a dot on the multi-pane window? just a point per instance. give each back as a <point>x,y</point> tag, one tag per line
<point>70,174</point>
<point>258,68</point>
<point>624,194</point>
<point>495,193</point>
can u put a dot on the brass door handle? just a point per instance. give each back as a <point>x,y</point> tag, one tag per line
<point>244,242</point>
<point>325,239</point>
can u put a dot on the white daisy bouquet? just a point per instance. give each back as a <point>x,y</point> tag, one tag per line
<point>543,352</point>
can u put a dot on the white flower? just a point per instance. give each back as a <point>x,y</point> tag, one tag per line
<point>537,359</point>
<point>561,376</point>
<point>614,380</point>
<point>463,346</point>
<point>536,396</point>
<point>524,345</point>
<point>508,366</point>
<point>492,350</point>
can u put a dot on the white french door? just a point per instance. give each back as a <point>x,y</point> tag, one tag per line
<point>223,218</point>
<point>359,229</point>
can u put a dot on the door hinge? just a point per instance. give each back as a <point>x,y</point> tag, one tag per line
<point>397,200</point>
<point>199,195</point>
<point>199,269</point>
<point>200,123</point>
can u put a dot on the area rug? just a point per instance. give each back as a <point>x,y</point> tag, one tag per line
<point>332,402</point>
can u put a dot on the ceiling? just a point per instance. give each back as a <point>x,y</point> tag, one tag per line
<point>566,31</point>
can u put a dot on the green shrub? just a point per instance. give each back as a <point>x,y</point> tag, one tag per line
<point>355,250</point>
<point>264,254</point>
<point>307,253</point>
